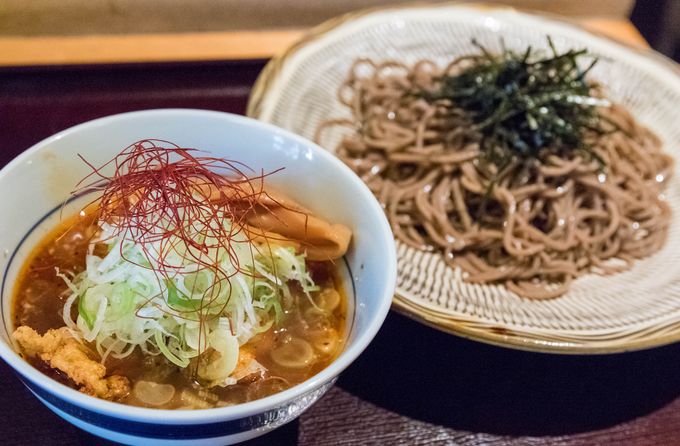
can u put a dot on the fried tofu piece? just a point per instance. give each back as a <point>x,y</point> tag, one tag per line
<point>61,351</point>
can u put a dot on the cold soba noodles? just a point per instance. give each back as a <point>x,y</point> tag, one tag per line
<point>188,284</point>
<point>514,166</point>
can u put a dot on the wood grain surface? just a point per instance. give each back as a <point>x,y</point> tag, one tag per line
<point>413,385</point>
<point>18,50</point>
<point>87,17</point>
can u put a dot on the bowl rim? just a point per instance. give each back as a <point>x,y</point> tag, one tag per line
<point>270,80</point>
<point>201,416</point>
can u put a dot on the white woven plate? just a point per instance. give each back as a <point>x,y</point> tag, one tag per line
<point>635,309</point>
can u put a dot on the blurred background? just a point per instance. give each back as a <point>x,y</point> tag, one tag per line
<point>658,20</point>
<point>71,17</point>
<point>653,18</point>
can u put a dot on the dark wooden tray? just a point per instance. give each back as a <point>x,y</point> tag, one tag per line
<point>413,385</point>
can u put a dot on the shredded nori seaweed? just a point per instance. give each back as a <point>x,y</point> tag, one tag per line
<point>527,105</point>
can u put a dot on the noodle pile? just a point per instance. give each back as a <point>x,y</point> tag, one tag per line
<point>533,227</point>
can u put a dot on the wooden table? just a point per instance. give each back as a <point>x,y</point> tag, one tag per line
<point>231,45</point>
<point>413,385</point>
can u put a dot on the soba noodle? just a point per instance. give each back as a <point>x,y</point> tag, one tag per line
<point>540,225</point>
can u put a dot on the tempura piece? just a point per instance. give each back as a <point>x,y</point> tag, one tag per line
<point>62,351</point>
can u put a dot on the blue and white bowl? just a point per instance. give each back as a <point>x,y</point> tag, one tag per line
<point>34,185</point>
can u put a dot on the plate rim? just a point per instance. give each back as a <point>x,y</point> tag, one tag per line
<point>498,335</point>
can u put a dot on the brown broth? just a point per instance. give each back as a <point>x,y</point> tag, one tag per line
<point>39,297</point>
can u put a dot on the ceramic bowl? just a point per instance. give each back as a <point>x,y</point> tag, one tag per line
<point>34,185</point>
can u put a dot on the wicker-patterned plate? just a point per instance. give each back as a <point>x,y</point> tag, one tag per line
<point>636,309</point>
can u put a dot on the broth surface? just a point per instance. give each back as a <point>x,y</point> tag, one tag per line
<point>39,297</point>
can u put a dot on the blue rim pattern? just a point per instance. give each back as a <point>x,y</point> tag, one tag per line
<point>160,431</point>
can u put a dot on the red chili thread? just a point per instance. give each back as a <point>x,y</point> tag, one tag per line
<point>164,194</point>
